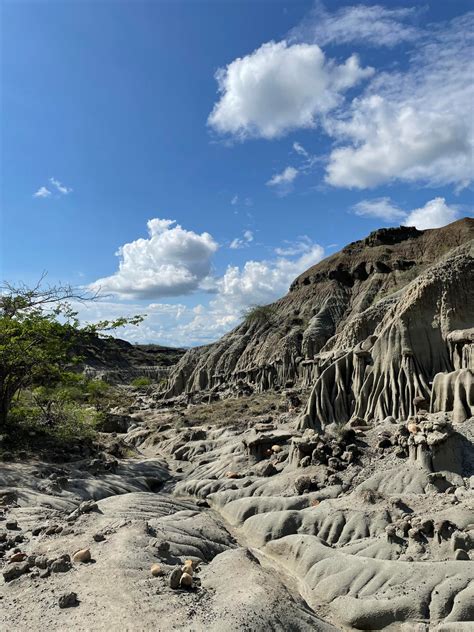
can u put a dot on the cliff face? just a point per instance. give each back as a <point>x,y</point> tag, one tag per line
<point>367,328</point>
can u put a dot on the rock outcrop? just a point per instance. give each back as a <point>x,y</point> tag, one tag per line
<point>368,329</point>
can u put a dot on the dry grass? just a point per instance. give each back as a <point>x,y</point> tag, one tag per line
<point>234,411</point>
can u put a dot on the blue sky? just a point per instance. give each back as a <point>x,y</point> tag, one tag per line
<point>271,133</point>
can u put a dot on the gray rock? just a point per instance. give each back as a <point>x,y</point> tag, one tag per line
<point>175,578</point>
<point>13,571</point>
<point>68,600</point>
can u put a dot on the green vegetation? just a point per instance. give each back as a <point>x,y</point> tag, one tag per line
<point>259,314</point>
<point>141,382</point>
<point>39,390</point>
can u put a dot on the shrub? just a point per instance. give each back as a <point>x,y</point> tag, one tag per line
<point>141,382</point>
<point>259,314</point>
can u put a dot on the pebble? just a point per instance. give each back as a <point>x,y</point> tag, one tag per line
<point>461,554</point>
<point>156,570</point>
<point>41,561</point>
<point>61,565</point>
<point>175,578</point>
<point>12,525</point>
<point>98,537</point>
<point>18,557</point>
<point>83,555</point>
<point>186,580</point>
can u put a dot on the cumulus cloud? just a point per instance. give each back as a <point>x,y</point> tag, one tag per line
<point>42,192</point>
<point>416,126</point>
<point>280,87</point>
<point>368,25</point>
<point>434,214</point>
<point>171,262</point>
<point>242,242</point>
<point>256,282</point>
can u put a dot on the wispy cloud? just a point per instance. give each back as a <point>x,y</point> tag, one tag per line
<point>61,188</point>
<point>54,187</point>
<point>242,242</point>
<point>380,208</point>
<point>42,192</point>
<point>300,149</point>
<point>366,25</point>
<point>287,176</point>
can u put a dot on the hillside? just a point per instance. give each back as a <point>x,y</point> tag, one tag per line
<point>340,303</point>
<point>117,360</point>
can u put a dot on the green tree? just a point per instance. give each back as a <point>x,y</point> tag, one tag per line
<point>39,331</point>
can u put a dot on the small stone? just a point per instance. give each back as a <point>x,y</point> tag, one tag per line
<point>41,561</point>
<point>18,557</point>
<point>37,530</point>
<point>186,580</point>
<point>175,578</point>
<point>188,567</point>
<point>12,525</point>
<point>83,555</point>
<point>156,570</point>
<point>98,537</point>
<point>61,565</point>
<point>231,474</point>
<point>384,443</point>
<point>51,530</point>
<point>276,448</point>
<point>163,547</point>
<point>88,506</point>
<point>461,554</point>
<point>202,503</point>
<point>14,571</point>
<point>305,461</point>
<point>68,600</point>
<point>45,573</point>
<point>266,468</point>
<point>302,484</point>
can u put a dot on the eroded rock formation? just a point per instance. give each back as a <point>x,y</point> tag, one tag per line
<point>368,329</point>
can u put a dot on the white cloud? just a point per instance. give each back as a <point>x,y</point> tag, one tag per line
<point>61,188</point>
<point>300,149</point>
<point>243,242</point>
<point>382,208</point>
<point>302,245</point>
<point>42,192</point>
<point>234,200</point>
<point>280,87</point>
<point>256,282</point>
<point>434,214</point>
<point>367,25</point>
<point>171,262</point>
<point>287,176</point>
<point>417,126</point>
